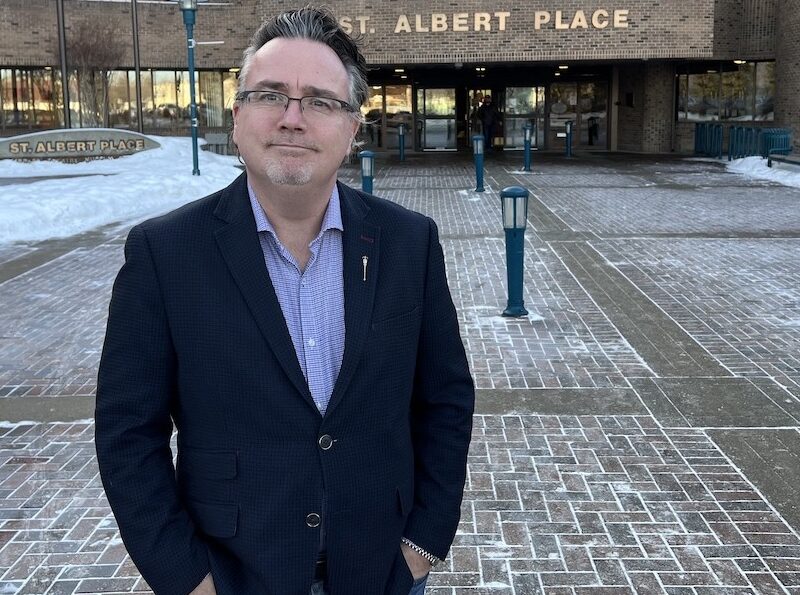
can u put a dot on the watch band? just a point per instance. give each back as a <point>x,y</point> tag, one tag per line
<point>428,556</point>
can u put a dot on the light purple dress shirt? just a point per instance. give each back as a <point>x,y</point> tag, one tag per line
<point>312,300</point>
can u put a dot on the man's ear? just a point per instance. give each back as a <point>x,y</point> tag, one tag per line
<point>235,113</point>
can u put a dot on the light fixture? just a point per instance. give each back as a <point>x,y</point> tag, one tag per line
<point>480,69</point>
<point>711,71</point>
<point>740,61</point>
<point>403,76</point>
<point>234,69</point>
<point>563,67</point>
<point>399,69</point>
<point>558,74</point>
<point>376,88</point>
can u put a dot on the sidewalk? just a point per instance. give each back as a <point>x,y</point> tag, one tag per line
<point>642,437</point>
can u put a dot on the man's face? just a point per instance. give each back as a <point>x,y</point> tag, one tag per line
<point>293,147</point>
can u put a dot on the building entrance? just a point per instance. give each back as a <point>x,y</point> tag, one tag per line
<point>583,104</point>
<point>436,120</point>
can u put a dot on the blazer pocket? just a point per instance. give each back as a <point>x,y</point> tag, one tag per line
<point>207,464</point>
<point>397,320</point>
<point>215,520</point>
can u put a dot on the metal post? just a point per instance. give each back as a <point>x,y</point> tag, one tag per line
<point>62,49</point>
<point>188,20</point>
<point>137,66</point>
<point>477,151</point>
<point>569,138</point>
<point>527,132</point>
<point>367,170</point>
<point>515,205</point>
<point>401,139</point>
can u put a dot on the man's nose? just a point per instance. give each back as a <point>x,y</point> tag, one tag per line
<point>293,116</point>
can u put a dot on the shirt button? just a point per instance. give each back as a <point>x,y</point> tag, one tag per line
<point>312,342</point>
<point>325,442</point>
<point>313,520</point>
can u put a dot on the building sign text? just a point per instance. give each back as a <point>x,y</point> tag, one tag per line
<point>439,22</point>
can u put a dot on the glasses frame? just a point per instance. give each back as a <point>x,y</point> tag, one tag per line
<point>244,96</point>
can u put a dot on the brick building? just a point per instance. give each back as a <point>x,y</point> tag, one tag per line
<point>630,74</point>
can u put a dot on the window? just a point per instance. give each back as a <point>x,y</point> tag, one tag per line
<point>737,93</point>
<point>742,92</point>
<point>765,91</point>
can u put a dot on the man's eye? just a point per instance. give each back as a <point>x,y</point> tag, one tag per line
<point>320,103</point>
<point>268,98</point>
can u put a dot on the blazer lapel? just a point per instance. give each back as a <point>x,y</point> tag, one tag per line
<point>360,264</point>
<point>240,247</point>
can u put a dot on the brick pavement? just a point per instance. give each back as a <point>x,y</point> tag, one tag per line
<point>631,266</point>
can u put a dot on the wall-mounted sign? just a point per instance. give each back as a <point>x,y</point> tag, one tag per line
<point>75,143</point>
<point>439,22</point>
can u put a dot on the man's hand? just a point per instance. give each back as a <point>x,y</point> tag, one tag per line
<point>206,587</point>
<point>418,565</point>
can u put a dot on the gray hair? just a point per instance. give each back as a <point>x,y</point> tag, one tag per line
<point>315,24</point>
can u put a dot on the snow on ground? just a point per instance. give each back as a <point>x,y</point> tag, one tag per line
<point>756,167</point>
<point>119,190</point>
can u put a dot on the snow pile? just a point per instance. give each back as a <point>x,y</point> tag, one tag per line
<point>756,167</point>
<point>119,190</point>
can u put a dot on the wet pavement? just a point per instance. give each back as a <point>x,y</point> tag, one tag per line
<point>638,433</point>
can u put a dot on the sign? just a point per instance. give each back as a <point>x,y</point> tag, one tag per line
<point>439,22</point>
<point>77,143</point>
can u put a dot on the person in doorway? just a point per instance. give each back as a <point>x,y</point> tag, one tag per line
<point>301,338</point>
<point>489,117</point>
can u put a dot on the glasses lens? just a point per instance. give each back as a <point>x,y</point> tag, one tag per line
<point>321,105</point>
<point>268,99</point>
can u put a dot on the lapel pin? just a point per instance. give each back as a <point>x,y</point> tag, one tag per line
<point>364,261</point>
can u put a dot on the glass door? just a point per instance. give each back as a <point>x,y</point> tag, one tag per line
<point>593,115</point>
<point>563,109</point>
<point>398,111</point>
<point>523,105</point>
<point>436,119</point>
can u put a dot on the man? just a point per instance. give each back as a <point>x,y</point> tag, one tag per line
<point>488,116</point>
<point>301,337</point>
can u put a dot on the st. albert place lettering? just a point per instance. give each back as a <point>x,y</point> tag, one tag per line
<point>495,21</point>
<point>74,146</point>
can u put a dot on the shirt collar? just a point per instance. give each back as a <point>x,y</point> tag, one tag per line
<point>331,220</point>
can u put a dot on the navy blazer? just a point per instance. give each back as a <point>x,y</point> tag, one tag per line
<point>196,337</point>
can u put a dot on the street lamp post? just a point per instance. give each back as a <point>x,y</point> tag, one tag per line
<point>189,10</point>
<point>477,152</point>
<point>514,202</point>
<point>527,163</point>
<point>367,170</point>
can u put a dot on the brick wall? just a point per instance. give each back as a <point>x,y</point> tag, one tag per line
<point>631,117</point>
<point>647,125</point>
<point>666,29</point>
<point>658,109</point>
<point>744,29</point>
<point>787,101</point>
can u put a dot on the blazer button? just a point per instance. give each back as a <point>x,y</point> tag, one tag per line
<point>313,520</point>
<point>325,442</point>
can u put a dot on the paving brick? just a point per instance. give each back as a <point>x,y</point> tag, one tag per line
<point>584,501</point>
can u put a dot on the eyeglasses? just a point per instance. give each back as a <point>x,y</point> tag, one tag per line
<point>272,100</point>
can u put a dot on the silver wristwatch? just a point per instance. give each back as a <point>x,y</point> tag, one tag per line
<point>428,556</point>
